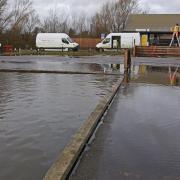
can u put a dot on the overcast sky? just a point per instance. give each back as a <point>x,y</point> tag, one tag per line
<point>90,6</point>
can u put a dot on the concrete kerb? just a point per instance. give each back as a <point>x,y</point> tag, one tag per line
<point>67,159</point>
<point>53,72</point>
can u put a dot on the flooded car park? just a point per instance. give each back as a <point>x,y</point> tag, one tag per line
<point>39,113</point>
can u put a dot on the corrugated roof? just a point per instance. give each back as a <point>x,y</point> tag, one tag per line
<point>153,22</point>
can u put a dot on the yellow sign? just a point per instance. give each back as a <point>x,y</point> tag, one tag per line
<point>144,40</point>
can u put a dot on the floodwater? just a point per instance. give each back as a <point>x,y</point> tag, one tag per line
<point>57,64</point>
<point>39,113</point>
<point>85,64</point>
<point>92,59</point>
<point>139,137</point>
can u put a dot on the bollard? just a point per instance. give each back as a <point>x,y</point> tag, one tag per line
<point>127,60</point>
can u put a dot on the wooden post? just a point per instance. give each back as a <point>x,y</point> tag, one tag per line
<point>127,65</point>
<point>134,51</point>
<point>127,60</point>
<point>126,78</point>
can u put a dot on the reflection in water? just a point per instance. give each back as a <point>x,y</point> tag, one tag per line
<point>173,76</point>
<point>148,74</point>
<point>139,136</point>
<point>61,66</point>
<point>156,75</point>
<point>38,115</point>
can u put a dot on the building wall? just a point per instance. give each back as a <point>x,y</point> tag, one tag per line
<point>87,43</point>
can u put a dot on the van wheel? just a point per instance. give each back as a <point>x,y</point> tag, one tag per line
<point>41,49</point>
<point>101,50</point>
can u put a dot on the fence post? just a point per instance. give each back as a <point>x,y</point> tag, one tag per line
<point>134,51</point>
<point>127,60</point>
<point>127,65</point>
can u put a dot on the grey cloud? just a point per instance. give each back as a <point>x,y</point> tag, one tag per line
<point>91,6</point>
<point>73,6</point>
<point>162,6</point>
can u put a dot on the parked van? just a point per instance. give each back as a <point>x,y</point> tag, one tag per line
<point>55,41</point>
<point>119,40</point>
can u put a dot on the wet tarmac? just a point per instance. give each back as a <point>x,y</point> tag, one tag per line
<point>139,136</point>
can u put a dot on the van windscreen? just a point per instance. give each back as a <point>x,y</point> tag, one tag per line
<point>70,40</point>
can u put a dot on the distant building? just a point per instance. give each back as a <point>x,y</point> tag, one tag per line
<point>155,29</point>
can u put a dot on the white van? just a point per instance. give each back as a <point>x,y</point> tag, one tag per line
<point>119,40</point>
<point>55,41</point>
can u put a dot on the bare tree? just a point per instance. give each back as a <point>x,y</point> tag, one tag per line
<point>4,15</point>
<point>113,16</point>
<point>32,22</point>
<point>3,4</point>
<point>102,20</point>
<point>21,11</point>
<point>121,11</point>
<point>80,23</point>
<point>55,22</point>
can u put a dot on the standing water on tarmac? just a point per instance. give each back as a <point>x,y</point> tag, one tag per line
<point>139,137</point>
<point>38,115</point>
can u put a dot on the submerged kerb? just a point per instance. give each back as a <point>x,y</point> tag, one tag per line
<point>54,72</point>
<point>67,159</point>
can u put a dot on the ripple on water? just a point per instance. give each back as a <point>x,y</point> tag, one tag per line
<point>38,115</point>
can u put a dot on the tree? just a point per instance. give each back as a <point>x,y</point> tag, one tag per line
<point>113,16</point>
<point>21,12</point>
<point>81,23</point>
<point>101,21</point>
<point>32,23</point>
<point>4,15</point>
<point>120,13</point>
<point>55,22</point>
